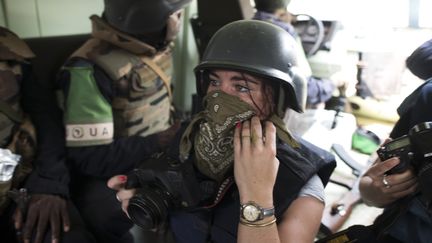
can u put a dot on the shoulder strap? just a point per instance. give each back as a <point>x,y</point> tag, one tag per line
<point>160,73</point>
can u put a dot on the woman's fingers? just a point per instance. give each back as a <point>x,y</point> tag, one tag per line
<point>270,135</point>
<point>237,137</point>
<point>117,182</point>
<point>245,135</point>
<point>256,131</point>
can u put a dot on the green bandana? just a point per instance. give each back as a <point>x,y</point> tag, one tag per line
<point>213,138</point>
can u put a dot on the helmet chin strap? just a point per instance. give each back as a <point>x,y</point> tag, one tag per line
<point>173,25</point>
<point>281,101</point>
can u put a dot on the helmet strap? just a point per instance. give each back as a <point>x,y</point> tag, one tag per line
<point>281,101</point>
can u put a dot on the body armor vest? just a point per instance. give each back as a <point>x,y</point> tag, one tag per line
<point>297,166</point>
<point>294,171</point>
<point>142,105</point>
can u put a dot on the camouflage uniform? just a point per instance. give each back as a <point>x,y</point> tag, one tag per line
<point>115,94</point>
<point>140,104</point>
<point>14,54</point>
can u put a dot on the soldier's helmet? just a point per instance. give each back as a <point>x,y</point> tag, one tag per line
<point>137,17</point>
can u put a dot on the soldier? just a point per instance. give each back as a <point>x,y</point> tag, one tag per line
<point>115,92</point>
<point>25,109</point>
<point>17,134</point>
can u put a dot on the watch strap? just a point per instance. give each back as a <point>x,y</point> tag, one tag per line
<point>267,212</point>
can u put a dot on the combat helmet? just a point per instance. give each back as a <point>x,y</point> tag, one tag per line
<point>255,47</point>
<point>140,16</point>
<point>13,48</point>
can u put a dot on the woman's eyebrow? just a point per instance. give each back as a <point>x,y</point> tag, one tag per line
<point>243,78</point>
<point>213,74</point>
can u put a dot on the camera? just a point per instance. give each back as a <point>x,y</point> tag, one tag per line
<point>164,184</point>
<point>414,148</point>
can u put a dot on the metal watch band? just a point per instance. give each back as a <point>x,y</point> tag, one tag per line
<point>267,212</point>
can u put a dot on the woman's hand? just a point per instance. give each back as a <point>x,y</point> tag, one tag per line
<point>379,190</point>
<point>123,195</point>
<point>255,162</point>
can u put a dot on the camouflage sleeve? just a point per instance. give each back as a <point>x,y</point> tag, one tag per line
<point>88,116</point>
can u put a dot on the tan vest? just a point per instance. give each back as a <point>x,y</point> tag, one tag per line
<point>143,102</point>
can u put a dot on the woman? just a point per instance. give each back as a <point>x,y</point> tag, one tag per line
<point>245,80</point>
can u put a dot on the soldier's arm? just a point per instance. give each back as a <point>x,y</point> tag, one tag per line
<point>100,155</point>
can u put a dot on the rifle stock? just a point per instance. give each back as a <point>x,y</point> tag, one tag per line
<point>336,214</point>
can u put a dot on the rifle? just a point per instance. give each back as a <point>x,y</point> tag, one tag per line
<point>337,213</point>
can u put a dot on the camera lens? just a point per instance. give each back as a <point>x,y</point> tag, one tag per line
<point>148,208</point>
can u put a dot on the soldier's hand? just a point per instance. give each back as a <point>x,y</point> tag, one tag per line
<point>43,210</point>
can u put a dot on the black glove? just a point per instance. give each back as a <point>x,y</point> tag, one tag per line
<point>43,209</point>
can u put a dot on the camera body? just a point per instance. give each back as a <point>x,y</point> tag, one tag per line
<point>414,149</point>
<point>162,184</point>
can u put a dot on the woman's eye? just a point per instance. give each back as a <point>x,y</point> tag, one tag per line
<point>214,82</point>
<point>242,88</point>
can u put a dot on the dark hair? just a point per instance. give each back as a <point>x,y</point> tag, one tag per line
<point>270,6</point>
<point>268,89</point>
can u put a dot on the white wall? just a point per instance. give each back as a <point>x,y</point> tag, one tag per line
<point>33,18</point>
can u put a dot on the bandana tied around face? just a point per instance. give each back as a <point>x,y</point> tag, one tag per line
<point>213,138</point>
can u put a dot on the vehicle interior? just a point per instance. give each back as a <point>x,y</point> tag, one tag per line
<point>362,44</point>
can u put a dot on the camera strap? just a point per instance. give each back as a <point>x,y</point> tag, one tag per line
<point>223,188</point>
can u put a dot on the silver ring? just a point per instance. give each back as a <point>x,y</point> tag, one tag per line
<point>118,199</point>
<point>385,182</point>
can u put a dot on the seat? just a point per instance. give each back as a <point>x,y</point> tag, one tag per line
<point>51,52</point>
<point>212,15</point>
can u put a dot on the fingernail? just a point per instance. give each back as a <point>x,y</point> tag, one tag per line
<point>123,178</point>
<point>238,125</point>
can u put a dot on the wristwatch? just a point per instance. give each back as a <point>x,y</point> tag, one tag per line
<point>252,212</point>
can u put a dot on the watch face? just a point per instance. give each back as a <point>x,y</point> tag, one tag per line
<point>251,213</point>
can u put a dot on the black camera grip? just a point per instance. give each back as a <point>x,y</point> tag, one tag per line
<point>138,177</point>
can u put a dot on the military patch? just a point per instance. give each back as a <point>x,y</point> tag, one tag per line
<point>89,134</point>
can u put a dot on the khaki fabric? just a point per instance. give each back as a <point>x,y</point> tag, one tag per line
<point>13,48</point>
<point>140,76</point>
